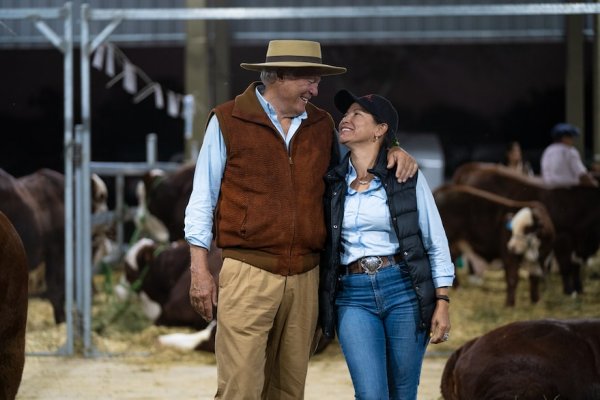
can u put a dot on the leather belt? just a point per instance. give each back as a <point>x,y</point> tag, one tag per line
<point>370,264</point>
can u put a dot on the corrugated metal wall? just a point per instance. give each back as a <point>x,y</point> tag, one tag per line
<point>22,33</point>
<point>414,29</point>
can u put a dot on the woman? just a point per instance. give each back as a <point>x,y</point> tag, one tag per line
<point>387,267</point>
<point>513,158</point>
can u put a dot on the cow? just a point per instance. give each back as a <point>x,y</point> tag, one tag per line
<point>35,205</point>
<point>527,360</point>
<point>162,199</point>
<point>13,308</point>
<point>575,213</point>
<point>480,219</point>
<point>159,274</point>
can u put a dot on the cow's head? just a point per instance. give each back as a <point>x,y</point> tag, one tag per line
<point>532,234</point>
<point>137,260</point>
<point>523,240</point>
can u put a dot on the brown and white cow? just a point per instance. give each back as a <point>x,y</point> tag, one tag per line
<point>575,213</point>
<point>35,205</point>
<point>528,360</point>
<point>481,220</point>
<point>160,276</point>
<point>13,308</point>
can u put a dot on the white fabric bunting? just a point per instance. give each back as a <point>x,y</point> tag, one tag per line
<point>98,61</point>
<point>173,103</point>
<point>159,100</point>
<point>104,60</point>
<point>129,78</point>
<point>110,60</point>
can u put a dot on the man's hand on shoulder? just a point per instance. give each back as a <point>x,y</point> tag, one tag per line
<point>406,165</point>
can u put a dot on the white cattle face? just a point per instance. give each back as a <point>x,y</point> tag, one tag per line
<point>123,289</point>
<point>524,240</point>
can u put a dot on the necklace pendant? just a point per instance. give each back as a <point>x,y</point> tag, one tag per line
<point>363,182</point>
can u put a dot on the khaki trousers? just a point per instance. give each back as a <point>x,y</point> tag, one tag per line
<point>265,328</point>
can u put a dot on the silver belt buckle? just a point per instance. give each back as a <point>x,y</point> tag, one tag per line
<point>371,264</point>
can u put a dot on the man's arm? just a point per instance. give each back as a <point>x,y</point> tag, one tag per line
<point>199,218</point>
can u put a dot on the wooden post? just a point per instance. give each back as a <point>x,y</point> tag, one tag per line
<point>574,90</point>
<point>197,75</point>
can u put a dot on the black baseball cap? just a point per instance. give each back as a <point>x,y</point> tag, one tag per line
<point>379,106</point>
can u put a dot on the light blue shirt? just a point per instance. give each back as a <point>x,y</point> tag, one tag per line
<point>367,231</point>
<point>209,172</point>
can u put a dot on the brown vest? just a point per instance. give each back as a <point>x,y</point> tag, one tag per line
<point>270,211</point>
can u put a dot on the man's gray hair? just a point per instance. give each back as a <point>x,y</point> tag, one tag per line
<point>268,76</point>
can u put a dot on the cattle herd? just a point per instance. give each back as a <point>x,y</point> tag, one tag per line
<point>489,213</point>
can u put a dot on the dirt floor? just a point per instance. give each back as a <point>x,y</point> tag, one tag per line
<point>54,378</point>
<point>132,365</point>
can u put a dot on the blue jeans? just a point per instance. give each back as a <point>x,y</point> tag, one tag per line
<point>377,325</point>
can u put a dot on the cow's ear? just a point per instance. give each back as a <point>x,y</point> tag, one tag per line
<point>508,220</point>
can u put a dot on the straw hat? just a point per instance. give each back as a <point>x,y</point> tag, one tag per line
<point>294,54</point>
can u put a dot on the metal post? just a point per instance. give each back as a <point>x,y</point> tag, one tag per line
<point>79,238</point>
<point>120,209</point>
<point>68,150</point>
<point>84,246</point>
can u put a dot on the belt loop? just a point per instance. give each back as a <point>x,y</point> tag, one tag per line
<point>391,259</point>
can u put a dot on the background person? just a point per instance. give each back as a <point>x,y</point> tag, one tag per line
<point>513,158</point>
<point>561,163</point>
<point>387,267</point>
<point>260,173</point>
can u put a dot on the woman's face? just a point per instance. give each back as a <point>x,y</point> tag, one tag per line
<point>514,154</point>
<point>358,126</point>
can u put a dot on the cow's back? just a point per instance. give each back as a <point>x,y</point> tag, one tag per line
<point>13,308</point>
<point>527,360</point>
<point>19,206</point>
<point>475,216</point>
<point>499,179</point>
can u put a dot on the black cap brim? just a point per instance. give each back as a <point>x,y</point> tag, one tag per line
<point>344,99</point>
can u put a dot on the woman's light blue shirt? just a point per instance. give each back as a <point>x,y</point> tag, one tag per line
<point>367,229</point>
<point>209,172</point>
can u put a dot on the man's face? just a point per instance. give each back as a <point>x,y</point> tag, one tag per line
<point>293,92</point>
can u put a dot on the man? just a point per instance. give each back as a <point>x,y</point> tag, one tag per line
<point>561,163</point>
<point>260,173</point>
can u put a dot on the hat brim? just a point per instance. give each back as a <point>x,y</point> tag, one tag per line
<point>344,99</point>
<point>323,69</point>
